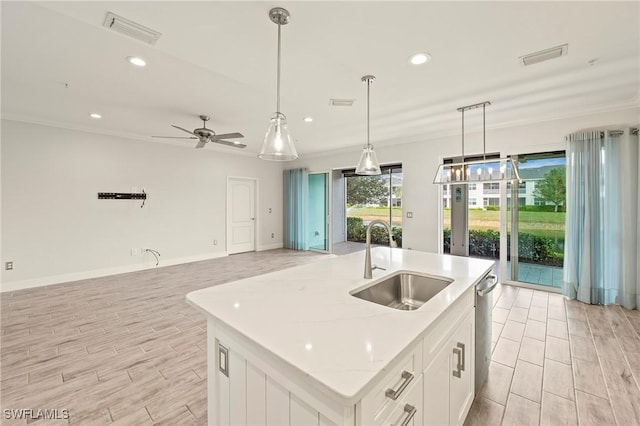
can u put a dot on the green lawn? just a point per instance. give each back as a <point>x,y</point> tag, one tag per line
<point>543,223</point>
<point>372,213</point>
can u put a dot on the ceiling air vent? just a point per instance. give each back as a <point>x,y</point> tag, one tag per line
<point>341,102</point>
<point>130,28</point>
<point>544,55</point>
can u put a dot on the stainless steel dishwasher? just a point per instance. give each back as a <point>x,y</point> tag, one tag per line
<point>484,306</point>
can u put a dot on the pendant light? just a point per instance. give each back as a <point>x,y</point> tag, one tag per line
<point>278,144</point>
<point>368,164</point>
<point>485,170</point>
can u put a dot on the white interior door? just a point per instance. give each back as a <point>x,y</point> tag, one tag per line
<point>241,215</point>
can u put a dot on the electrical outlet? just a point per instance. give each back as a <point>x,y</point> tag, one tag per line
<point>135,251</point>
<point>409,215</point>
<point>8,266</point>
<point>272,235</point>
<point>215,242</point>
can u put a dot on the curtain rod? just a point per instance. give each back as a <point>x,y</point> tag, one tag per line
<point>633,130</point>
<point>615,132</point>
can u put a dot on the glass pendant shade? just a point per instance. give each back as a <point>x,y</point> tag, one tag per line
<point>278,145</point>
<point>493,170</point>
<point>368,164</point>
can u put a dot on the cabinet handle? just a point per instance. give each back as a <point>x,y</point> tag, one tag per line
<point>457,372</point>
<point>394,394</point>
<point>411,411</point>
<point>461,346</point>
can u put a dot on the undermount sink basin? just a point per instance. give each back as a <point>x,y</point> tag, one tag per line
<point>404,291</point>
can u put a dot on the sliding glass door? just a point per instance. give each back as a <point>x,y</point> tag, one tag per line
<point>536,220</point>
<point>471,217</point>
<point>318,212</point>
<point>374,197</point>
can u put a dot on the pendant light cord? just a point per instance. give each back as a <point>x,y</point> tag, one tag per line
<point>484,138</point>
<point>368,102</point>
<point>278,75</point>
<point>463,135</point>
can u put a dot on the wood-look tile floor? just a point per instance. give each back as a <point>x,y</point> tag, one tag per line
<point>560,362</point>
<point>129,350</point>
<point>125,349</point>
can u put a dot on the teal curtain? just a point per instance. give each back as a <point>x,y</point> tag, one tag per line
<point>601,244</point>
<point>296,198</point>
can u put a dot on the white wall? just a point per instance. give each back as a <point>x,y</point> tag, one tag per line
<point>420,162</point>
<point>55,229</point>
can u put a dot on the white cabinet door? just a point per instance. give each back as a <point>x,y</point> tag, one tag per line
<point>449,377</point>
<point>462,370</point>
<point>436,389</point>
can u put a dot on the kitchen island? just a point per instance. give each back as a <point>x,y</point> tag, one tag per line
<point>296,347</point>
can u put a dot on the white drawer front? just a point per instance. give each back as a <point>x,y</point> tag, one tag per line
<point>408,412</point>
<point>392,389</point>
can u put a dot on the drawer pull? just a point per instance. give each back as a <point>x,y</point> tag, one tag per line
<point>394,394</point>
<point>411,411</point>
<point>461,346</point>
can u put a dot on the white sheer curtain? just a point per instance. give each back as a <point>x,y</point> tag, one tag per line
<point>602,225</point>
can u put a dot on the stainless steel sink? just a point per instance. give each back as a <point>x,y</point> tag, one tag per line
<point>403,291</point>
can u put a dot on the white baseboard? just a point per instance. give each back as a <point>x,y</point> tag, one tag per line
<point>264,247</point>
<point>96,273</point>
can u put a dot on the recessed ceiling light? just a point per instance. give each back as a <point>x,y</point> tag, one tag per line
<point>308,119</point>
<point>95,115</point>
<point>134,60</point>
<point>420,58</point>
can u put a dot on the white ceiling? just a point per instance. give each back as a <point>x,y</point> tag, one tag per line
<point>219,58</point>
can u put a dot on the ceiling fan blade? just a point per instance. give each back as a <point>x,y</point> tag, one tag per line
<point>184,130</point>
<point>229,143</point>
<point>201,144</point>
<point>175,137</point>
<point>228,136</point>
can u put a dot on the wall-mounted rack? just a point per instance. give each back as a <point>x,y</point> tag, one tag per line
<point>123,196</point>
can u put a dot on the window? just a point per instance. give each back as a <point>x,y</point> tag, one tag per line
<point>491,188</point>
<point>491,201</point>
<point>374,197</point>
<point>473,202</point>
<point>472,187</point>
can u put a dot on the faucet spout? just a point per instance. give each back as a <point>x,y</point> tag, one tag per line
<point>367,259</point>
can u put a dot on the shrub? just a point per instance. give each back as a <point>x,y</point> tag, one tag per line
<point>493,208</point>
<point>447,240</point>
<point>357,231</point>
<point>484,243</point>
<point>531,248</point>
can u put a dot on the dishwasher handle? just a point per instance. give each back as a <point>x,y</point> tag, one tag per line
<point>487,285</point>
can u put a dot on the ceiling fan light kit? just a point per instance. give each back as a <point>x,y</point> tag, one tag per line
<point>368,164</point>
<point>278,143</point>
<point>485,170</point>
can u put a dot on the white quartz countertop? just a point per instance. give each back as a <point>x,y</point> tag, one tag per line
<point>306,316</point>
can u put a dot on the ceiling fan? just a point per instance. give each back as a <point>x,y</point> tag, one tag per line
<point>205,135</point>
